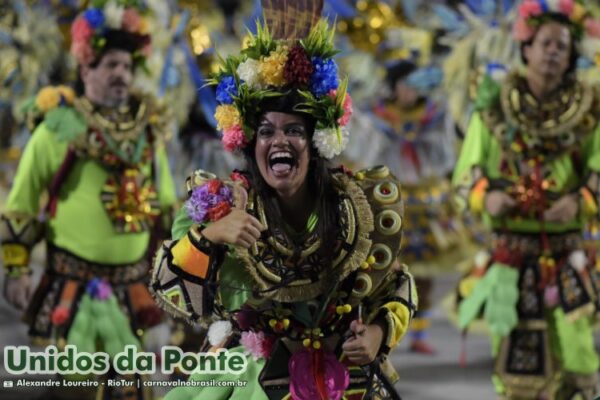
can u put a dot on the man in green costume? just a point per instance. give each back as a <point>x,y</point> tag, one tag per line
<point>530,164</point>
<point>100,156</point>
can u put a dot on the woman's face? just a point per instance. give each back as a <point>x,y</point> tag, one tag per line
<point>282,151</point>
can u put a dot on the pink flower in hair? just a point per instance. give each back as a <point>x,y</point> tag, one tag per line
<point>83,52</point>
<point>234,138</point>
<point>530,8</point>
<point>131,20</point>
<point>522,31</point>
<point>592,27</point>
<point>81,30</point>
<point>347,106</point>
<point>566,6</point>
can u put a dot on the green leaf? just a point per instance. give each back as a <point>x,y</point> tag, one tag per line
<point>66,123</point>
<point>488,93</point>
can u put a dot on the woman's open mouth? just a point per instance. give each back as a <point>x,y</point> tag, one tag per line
<point>282,163</point>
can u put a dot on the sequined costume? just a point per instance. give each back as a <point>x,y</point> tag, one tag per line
<point>280,290</point>
<point>108,183</point>
<point>539,292</point>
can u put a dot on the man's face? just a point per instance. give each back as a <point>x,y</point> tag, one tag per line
<point>550,52</point>
<point>109,82</point>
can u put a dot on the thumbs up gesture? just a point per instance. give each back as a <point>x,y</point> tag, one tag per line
<point>237,228</point>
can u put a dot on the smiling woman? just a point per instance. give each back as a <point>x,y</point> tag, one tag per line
<point>290,251</point>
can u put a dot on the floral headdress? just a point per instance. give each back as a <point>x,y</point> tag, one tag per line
<point>533,13</point>
<point>89,29</point>
<point>268,68</point>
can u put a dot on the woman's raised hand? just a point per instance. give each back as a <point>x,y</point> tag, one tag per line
<point>236,228</point>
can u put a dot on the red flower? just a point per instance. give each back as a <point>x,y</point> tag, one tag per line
<point>236,176</point>
<point>213,186</point>
<point>219,211</point>
<point>298,68</point>
<point>60,315</point>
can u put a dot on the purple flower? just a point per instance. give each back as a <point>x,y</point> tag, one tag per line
<point>226,90</point>
<point>324,77</point>
<point>95,17</point>
<point>98,289</point>
<point>203,199</point>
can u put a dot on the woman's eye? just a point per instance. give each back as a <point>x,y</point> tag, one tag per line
<point>295,131</point>
<point>265,132</point>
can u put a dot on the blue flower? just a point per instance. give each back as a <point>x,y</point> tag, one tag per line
<point>324,78</point>
<point>226,90</point>
<point>95,17</point>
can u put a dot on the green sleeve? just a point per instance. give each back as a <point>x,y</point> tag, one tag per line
<point>473,160</point>
<point>166,189</point>
<point>181,225</point>
<point>592,152</point>
<point>474,151</point>
<point>41,159</point>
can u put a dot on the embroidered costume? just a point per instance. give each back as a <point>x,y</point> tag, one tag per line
<point>107,179</point>
<point>290,306</point>
<point>539,291</point>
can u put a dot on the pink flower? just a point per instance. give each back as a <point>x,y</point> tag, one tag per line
<point>81,30</point>
<point>131,20</point>
<point>566,6</point>
<point>521,31</point>
<point>83,52</point>
<point>234,138</point>
<point>256,344</point>
<point>592,27</point>
<point>347,106</point>
<point>530,8</point>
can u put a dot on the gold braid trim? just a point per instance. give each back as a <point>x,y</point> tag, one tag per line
<point>573,104</point>
<point>561,122</point>
<point>363,217</point>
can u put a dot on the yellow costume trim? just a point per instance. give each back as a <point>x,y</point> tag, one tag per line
<point>15,255</point>
<point>398,319</point>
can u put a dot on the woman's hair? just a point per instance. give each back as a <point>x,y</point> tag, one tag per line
<point>564,20</point>
<point>320,183</point>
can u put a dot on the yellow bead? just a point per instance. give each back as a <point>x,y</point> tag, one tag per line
<point>364,265</point>
<point>371,260</point>
<point>316,345</point>
<point>286,323</point>
<point>551,262</point>
<point>272,323</point>
<point>339,310</point>
<point>306,342</point>
<point>347,308</point>
<point>360,176</point>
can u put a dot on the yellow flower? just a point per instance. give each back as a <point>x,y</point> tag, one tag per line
<point>227,116</point>
<point>578,13</point>
<point>271,67</point>
<point>144,27</point>
<point>67,93</point>
<point>47,98</point>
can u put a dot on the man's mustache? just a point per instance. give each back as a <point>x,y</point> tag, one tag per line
<point>118,82</point>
